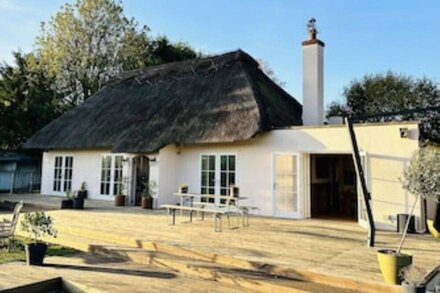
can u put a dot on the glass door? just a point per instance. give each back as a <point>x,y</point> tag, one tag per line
<point>218,173</point>
<point>63,171</point>
<point>286,185</point>
<point>362,211</point>
<point>208,176</point>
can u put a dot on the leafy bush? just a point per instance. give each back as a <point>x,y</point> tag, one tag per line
<point>38,224</point>
<point>422,176</point>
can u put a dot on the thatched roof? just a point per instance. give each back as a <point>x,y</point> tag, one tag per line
<point>225,98</point>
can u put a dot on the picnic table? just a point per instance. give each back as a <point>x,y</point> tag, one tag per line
<point>189,198</point>
<point>229,207</point>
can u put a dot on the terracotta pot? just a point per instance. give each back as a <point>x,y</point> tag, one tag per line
<point>120,200</point>
<point>147,203</point>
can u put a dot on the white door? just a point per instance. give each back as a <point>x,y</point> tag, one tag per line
<point>286,199</point>
<point>112,181</point>
<point>362,211</point>
<point>63,169</point>
<point>218,173</point>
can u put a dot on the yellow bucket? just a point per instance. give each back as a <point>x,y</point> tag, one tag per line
<point>434,232</point>
<point>391,263</point>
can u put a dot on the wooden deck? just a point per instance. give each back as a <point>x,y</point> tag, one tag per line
<point>335,248</point>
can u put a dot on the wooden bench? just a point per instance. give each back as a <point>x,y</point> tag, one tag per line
<point>217,214</point>
<point>243,211</point>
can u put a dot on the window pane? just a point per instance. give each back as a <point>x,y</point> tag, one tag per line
<point>211,190</point>
<point>223,182</point>
<point>212,163</point>
<point>204,178</point>
<point>204,163</point>
<point>211,179</point>
<point>203,190</point>
<point>232,163</point>
<point>223,163</point>
<point>231,179</point>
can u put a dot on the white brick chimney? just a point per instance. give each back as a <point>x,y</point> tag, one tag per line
<point>313,78</point>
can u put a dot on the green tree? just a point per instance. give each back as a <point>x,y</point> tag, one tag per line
<point>27,101</point>
<point>390,92</point>
<point>87,43</point>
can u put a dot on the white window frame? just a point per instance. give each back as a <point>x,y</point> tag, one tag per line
<point>295,214</point>
<point>218,170</point>
<point>111,190</point>
<point>63,157</point>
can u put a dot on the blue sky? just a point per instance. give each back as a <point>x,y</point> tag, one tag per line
<point>361,36</point>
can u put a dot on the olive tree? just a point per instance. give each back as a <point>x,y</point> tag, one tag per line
<point>422,179</point>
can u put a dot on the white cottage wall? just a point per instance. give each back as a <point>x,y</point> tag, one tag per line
<point>387,155</point>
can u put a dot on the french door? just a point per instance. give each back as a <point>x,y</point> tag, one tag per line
<point>218,173</point>
<point>111,175</point>
<point>362,210</point>
<point>63,170</point>
<point>286,199</point>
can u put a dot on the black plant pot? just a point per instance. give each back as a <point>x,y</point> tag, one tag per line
<point>433,212</point>
<point>82,194</point>
<point>66,204</point>
<point>35,253</point>
<point>78,203</point>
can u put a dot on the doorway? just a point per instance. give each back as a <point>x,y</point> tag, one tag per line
<point>333,187</point>
<point>142,177</point>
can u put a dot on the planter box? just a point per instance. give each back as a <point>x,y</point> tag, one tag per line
<point>66,204</point>
<point>82,194</point>
<point>78,203</point>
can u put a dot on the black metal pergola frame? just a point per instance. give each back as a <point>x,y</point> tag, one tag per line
<point>358,164</point>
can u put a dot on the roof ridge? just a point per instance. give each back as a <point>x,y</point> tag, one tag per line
<point>185,68</point>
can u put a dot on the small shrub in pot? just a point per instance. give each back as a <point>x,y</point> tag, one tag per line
<point>37,224</point>
<point>68,202</point>
<point>148,194</point>
<point>82,193</point>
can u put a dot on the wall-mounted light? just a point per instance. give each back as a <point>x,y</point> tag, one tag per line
<point>403,132</point>
<point>152,159</point>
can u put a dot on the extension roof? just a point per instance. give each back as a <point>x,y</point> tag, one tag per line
<point>220,99</point>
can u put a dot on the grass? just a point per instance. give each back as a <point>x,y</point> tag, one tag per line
<point>18,254</point>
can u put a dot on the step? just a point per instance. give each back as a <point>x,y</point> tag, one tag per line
<point>253,280</point>
<point>100,238</point>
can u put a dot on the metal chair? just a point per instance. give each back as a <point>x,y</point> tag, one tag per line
<point>7,228</point>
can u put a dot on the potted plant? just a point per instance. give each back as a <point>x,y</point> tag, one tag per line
<point>148,194</point>
<point>37,224</point>
<point>68,202</point>
<point>82,193</point>
<point>422,178</point>
<point>120,196</point>
<point>78,202</point>
<point>413,279</point>
<point>183,188</point>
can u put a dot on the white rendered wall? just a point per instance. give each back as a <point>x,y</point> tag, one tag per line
<point>387,154</point>
<point>313,84</point>
<point>86,168</point>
